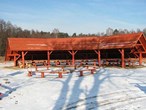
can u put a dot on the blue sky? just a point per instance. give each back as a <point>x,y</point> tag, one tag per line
<point>80,16</point>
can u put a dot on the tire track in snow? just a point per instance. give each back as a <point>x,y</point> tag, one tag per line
<point>115,98</point>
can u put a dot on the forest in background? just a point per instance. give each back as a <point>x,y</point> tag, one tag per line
<point>8,30</point>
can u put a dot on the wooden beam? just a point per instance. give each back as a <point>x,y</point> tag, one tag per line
<point>23,59</point>
<point>96,51</point>
<point>139,52</point>
<point>73,58</point>
<point>140,58</point>
<point>99,57</point>
<point>139,48</point>
<point>73,52</point>
<point>15,61</point>
<point>136,55</point>
<point>70,52</point>
<point>141,41</point>
<point>139,45</point>
<point>18,57</point>
<point>12,54</point>
<point>49,54</point>
<point>132,50</point>
<point>25,53</point>
<point>120,51</point>
<point>122,58</point>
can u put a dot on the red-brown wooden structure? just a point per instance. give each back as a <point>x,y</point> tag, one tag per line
<point>117,46</point>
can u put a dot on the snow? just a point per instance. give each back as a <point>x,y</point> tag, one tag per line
<point>37,44</point>
<point>108,89</point>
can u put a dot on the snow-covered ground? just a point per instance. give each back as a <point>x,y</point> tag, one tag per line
<point>109,88</point>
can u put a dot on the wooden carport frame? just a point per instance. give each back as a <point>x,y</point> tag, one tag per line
<point>136,43</point>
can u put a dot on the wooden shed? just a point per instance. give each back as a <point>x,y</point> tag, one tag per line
<point>121,46</point>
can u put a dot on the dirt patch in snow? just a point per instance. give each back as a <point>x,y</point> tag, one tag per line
<point>2,58</point>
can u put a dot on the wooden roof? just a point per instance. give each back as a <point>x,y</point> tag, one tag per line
<point>79,43</point>
<point>120,41</point>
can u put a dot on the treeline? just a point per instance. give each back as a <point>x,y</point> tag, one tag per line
<point>7,30</point>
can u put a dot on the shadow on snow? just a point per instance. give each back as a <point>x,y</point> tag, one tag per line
<point>142,88</point>
<point>73,101</point>
<point>16,73</point>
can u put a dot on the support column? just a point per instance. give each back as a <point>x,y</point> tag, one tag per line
<point>140,58</point>
<point>49,54</point>
<point>73,56</point>
<point>99,57</point>
<point>23,59</point>
<point>122,58</point>
<point>15,61</point>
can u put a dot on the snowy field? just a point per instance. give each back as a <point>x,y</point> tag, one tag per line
<point>108,89</point>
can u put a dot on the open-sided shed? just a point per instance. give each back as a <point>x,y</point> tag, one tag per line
<point>118,46</point>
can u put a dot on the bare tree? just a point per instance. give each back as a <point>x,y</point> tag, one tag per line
<point>109,31</point>
<point>125,31</point>
<point>138,30</point>
<point>144,31</point>
<point>55,32</point>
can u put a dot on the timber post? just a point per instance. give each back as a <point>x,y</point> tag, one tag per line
<point>140,58</point>
<point>60,75</point>
<point>99,57</point>
<point>122,58</point>
<point>81,73</point>
<point>73,56</point>
<point>15,61</point>
<point>42,75</point>
<point>23,58</point>
<point>48,61</point>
